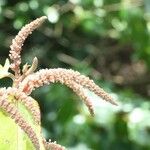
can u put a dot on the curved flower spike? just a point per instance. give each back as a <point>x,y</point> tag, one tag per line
<point>27,101</point>
<point>17,43</point>
<point>72,79</point>
<point>27,115</point>
<point>79,90</point>
<point>52,145</point>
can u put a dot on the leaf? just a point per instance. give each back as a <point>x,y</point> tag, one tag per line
<point>12,137</point>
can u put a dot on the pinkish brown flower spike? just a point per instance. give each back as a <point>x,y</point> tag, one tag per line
<point>17,43</point>
<point>52,145</point>
<point>72,79</point>
<point>27,101</point>
<point>79,90</point>
<point>25,81</point>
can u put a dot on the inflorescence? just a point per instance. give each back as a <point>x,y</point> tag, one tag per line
<point>25,81</point>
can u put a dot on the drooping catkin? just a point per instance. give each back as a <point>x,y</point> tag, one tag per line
<point>79,90</point>
<point>64,76</point>
<point>12,112</point>
<point>72,79</point>
<point>26,81</point>
<point>28,102</point>
<point>89,84</point>
<point>18,42</point>
<point>52,145</point>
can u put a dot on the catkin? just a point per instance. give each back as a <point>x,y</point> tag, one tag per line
<point>28,102</point>
<point>52,145</point>
<point>18,42</point>
<point>64,76</point>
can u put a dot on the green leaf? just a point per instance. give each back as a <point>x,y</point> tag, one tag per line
<point>12,137</point>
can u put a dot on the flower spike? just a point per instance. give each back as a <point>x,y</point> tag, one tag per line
<point>18,42</point>
<point>25,81</point>
<point>52,145</point>
<point>27,101</point>
<point>72,79</point>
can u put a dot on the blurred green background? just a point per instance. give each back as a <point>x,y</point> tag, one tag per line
<point>108,40</point>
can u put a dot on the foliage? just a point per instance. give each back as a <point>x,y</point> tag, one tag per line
<point>8,131</point>
<point>108,40</point>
